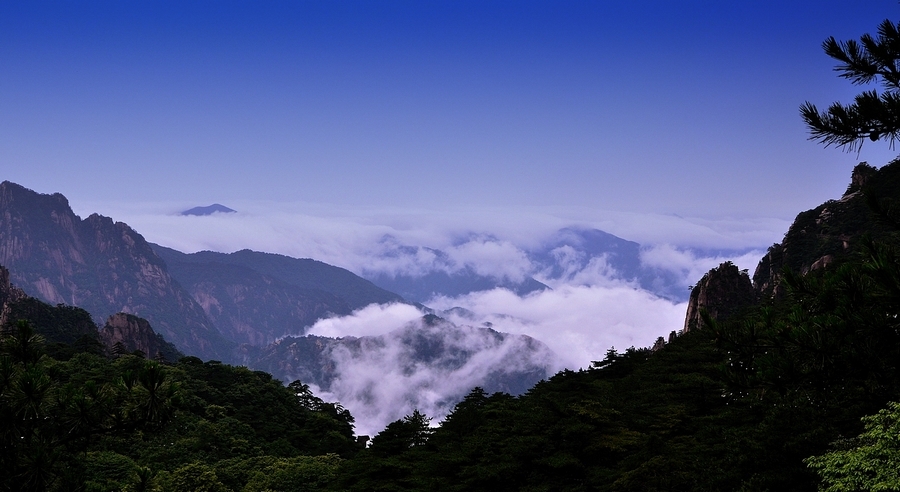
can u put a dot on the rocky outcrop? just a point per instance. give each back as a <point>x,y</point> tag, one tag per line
<point>126,333</point>
<point>825,234</point>
<point>817,239</point>
<point>722,292</point>
<point>100,265</point>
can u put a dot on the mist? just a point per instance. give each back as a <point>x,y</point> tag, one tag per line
<point>588,308</point>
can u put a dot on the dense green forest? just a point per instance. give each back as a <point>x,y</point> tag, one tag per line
<point>84,421</point>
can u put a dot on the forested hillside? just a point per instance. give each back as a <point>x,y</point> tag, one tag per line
<point>89,422</point>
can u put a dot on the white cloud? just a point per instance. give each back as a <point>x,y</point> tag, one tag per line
<point>689,265</point>
<point>586,313</point>
<point>492,258</point>
<point>382,379</point>
<point>351,238</point>
<point>372,320</point>
<point>579,323</point>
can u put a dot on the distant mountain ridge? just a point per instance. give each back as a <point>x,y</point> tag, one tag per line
<point>567,255</point>
<point>258,297</point>
<point>209,210</point>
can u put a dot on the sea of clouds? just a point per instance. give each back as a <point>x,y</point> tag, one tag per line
<point>586,311</point>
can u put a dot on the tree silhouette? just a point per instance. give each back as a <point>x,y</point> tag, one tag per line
<point>873,116</point>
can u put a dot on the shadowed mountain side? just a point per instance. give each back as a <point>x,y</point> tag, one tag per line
<point>70,329</point>
<point>102,266</point>
<point>302,273</point>
<point>249,307</point>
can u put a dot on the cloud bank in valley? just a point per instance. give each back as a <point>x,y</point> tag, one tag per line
<point>491,241</point>
<point>588,309</point>
<point>577,323</point>
<point>428,366</point>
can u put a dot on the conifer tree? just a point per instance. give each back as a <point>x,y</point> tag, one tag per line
<point>872,115</point>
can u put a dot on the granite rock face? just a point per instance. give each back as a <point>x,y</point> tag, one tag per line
<point>102,266</point>
<point>817,239</point>
<point>722,292</point>
<point>135,334</point>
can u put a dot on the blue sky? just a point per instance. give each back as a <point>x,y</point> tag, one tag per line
<point>687,108</point>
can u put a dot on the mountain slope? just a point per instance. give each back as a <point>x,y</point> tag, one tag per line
<point>102,266</point>
<point>247,306</point>
<point>819,238</point>
<point>302,273</point>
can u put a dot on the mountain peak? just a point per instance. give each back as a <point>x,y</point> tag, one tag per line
<point>209,210</point>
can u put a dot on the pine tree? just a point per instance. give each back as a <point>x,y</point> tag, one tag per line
<point>872,115</point>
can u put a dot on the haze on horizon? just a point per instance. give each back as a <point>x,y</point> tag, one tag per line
<point>687,108</point>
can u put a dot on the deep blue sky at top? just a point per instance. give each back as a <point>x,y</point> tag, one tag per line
<point>687,107</point>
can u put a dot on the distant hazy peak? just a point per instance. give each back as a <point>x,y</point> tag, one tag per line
<point>208,210</point>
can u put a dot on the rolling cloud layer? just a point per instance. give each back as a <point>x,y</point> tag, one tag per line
<point>590,304</point>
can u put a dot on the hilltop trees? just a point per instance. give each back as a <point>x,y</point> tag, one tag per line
<point>873,116</point>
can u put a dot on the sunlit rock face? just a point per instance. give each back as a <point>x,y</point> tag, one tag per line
<point>100,265</point>
<point>722,292</point>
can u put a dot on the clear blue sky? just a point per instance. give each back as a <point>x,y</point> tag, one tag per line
<point>682,107</point>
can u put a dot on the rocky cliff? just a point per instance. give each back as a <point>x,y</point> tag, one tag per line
<point>816,239</point>
<point>127,333</point>
<point>827,233</point>
<point>102,266</point>
<point>722,292</point>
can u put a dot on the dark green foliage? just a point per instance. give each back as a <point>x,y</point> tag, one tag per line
<point>867,462</point>
<point>51,411</point>
<point>66,329</point>
<point>127,423</point>
<point>872,115</point>
<point>737,405</point>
